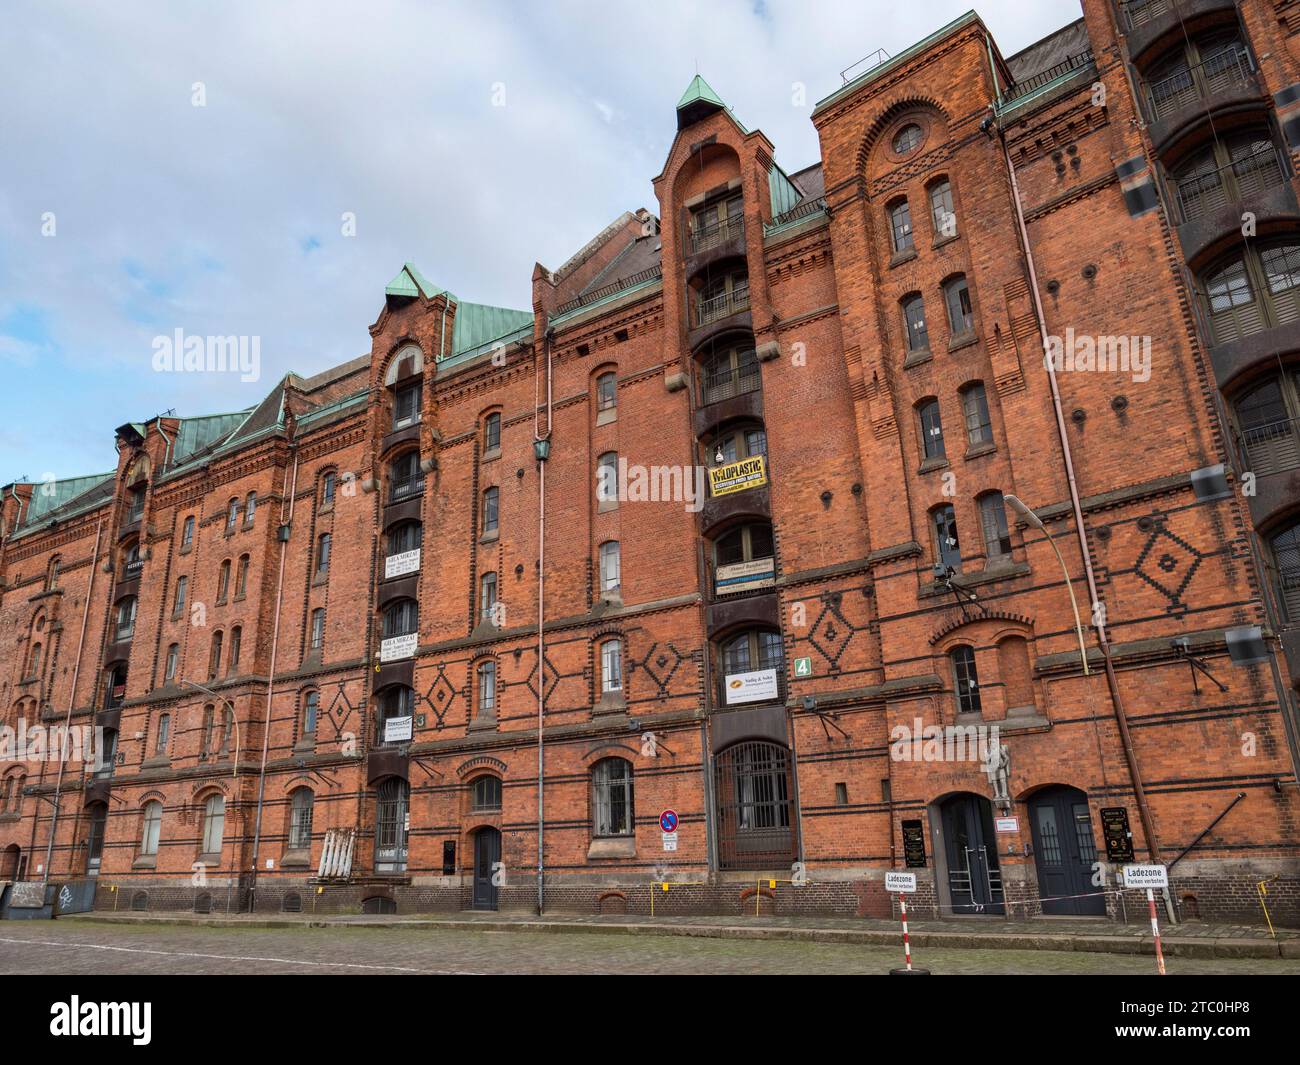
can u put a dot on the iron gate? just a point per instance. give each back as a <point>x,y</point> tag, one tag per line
<point>756,816</point>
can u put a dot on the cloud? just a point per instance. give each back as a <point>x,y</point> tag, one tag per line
<point>225,219</point>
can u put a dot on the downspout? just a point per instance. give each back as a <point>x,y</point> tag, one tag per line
<point>1121,717</point>
<point>286,520</point>
<point>72,697</point>
<point>541,446</point>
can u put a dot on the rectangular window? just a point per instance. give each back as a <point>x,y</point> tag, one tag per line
<point>487,597</point>
<point>173,652</point>
<point>611,666</point>
<point>947,548</point>
<point>931,431</point>
<point>492,433</point>
<point>327,489</point>
<point>406,406</point>
<point>317,629</point>
<point>960,317</point>
<point>941,209</point>
<point>966,680</point>
<point>918,337</point>
<point>490,516</point>
<point>178,607</point>
<point>610,566</point>
<point>993,516</point>
<point>323,553</point>
<point>900,225</point>
<point>187,534</point>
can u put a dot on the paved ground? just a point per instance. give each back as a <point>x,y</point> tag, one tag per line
<point>85,946</point>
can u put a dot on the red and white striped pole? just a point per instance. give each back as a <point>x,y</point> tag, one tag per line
<point>1155,931</point>
<point>907,946</point>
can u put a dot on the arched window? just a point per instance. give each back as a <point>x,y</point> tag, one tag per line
<point>611,569</point>
<point>250,509</point>
<point>975,409</point>
<point>486,684</point>
<point>918,336</point>
<point>236,640</point>
<point>151,827</point>
<point>611,798</point>
<point>214,657</point>
<point>492,433</point>
<point>173,658</point>
<point>490,516</point>
<point>214,824</point>
<point>223,581</point>
<point>956,298</point>
<point>1269,432</point>
<point>405,537</point>
<point>34,661</point>
<point>124,622</point>
<point>947,548</point>
<point>310,712</point>
<point>1255,289</point>
<point>965,679</point>
<point>611,666</point>
<point>931,429</point>
<point>164,734</point>
<point>487,598</point>
<point>317,629</point>
<point>401,618</point>
<point>232,514</point>
<point>301,801</point>
<point>485,793</point>
<point>209,723</point>
<point>607,480</point>
<point>187,533</point>
<point>396,705</point>
<point>323,544</point>
<point>900,227</point>
<point>392,802</point>
<point>405,477</point>
<point>941,210</point>
<point>754,650</point>
<point>241,577</point>
<point>327,486</point>
<point>178,604</point>
<point>607,391</point>
<point>52,574</point>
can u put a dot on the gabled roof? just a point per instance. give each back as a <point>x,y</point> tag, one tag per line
<point>51,496</point>
<point>195,434</point>
<point>697,102</point>
<point>410,282</point>
<point>477,324</point>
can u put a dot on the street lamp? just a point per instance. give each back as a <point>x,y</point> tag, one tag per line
<point>1035,522</point>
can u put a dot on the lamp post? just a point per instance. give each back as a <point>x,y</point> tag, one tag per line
<point>1035,522</point>
<point>234,720</point>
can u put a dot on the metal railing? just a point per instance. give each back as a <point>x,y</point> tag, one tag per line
<point>1221,71</point>
<point>717,233</point>
<point>1272,447</point>
<point>400,490</point>
<point>597,294</point>
<point>802,210</point>
<point>722,305</point>
<point>132,570</point>
<point>1206,192</point>
<point>725,384</point>
<point>1044,77</point>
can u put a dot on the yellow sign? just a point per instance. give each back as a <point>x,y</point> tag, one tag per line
<point>738,476</point>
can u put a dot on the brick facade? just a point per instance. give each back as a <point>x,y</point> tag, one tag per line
<point>758,301</point>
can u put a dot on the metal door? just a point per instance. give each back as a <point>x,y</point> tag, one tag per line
<point>487,854</point>
<point>1064,852</point>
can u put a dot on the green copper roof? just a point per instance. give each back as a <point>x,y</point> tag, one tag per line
<point>195,434</point>
<point>699,89</point>
<point>50,495</point>
<point>476,324</point>
<point>410,282</point>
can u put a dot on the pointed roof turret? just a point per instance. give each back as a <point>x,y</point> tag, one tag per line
<point>697,102</point>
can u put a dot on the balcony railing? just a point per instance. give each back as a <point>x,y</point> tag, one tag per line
<point>725,384</point>
<point>716,233</point>
<point>1273,447</point>
<point>1046,77</point>
<point>406,489</point>
<point>722,305</point>
<point>1206,192</point>
<point>132,570</point>
<point>1220,72</point>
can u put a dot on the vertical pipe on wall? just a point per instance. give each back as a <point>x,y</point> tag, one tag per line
<point>541,442</point>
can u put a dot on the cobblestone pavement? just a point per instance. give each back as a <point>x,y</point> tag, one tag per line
<point>84,947</point>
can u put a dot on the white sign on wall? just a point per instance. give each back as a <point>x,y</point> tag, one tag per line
<point>904,882</point>
<point>401,564</point>
<point>753,687</point>
<point>397,729</point>
<point>396,647</point>
<point>1146,876</point>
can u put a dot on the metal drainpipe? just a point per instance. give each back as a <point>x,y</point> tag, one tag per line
<point>72,697</point>
<point>1121,717</point>
<point>286,519</point>
<point>541,588</point>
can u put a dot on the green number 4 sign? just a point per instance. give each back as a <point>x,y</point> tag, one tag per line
<point>803,667</point>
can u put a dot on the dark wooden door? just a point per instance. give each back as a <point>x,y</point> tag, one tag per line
<point>974,878</point>
<point>1064,852</point>
<point>487,853</point>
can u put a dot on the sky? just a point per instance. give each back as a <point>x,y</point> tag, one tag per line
<point>263,169</point>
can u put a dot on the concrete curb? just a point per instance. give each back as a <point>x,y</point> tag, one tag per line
<point>1207,947</point>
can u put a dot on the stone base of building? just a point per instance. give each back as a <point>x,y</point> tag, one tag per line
<point>1213,891</point>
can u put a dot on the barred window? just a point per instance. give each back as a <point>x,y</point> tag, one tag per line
<point>611,800</point>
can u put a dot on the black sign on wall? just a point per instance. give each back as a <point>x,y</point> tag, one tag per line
<point>1119,839</point>
<point>913,845</point>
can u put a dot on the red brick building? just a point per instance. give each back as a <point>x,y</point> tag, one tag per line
<point>726,510</point>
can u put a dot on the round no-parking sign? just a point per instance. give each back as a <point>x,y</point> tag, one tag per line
<point>668,820</point>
